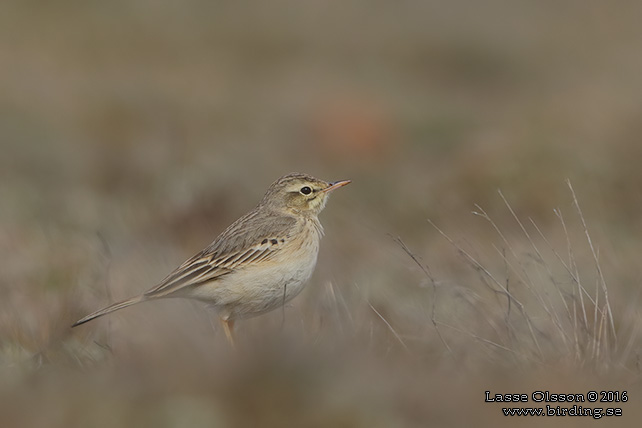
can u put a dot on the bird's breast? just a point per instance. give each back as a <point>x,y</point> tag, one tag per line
<point>261,287</point>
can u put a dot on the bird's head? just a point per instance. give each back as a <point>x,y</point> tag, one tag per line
<point>300,194</point>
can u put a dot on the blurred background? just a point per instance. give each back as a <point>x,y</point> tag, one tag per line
<point>133,132</point>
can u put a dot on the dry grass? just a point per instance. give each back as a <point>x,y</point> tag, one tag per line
<point>538,309</point>
<point>131,135</point>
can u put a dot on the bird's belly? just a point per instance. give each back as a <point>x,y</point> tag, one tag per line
<point>257,289</point>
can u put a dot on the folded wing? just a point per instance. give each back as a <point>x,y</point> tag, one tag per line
<point>249,246</point>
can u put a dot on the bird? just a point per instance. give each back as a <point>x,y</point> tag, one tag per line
<point>260,262</point>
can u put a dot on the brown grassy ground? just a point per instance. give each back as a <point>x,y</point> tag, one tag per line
<point>132,132</point>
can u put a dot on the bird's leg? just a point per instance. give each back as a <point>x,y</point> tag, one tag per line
<point>228,326</point>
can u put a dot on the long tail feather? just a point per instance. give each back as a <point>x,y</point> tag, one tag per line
<point>111,308</point>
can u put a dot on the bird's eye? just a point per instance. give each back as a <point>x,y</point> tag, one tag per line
<point>306,190</point>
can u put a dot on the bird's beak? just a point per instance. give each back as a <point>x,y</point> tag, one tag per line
<point>336,185</point>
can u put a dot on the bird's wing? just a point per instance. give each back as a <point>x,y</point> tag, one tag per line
<point>251,239</point>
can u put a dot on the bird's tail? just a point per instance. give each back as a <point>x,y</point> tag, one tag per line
<point>111,308</point>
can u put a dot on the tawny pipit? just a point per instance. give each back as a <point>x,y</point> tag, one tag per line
<point>258,263</point>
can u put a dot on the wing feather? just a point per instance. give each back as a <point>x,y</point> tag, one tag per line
<point>250,240</point>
